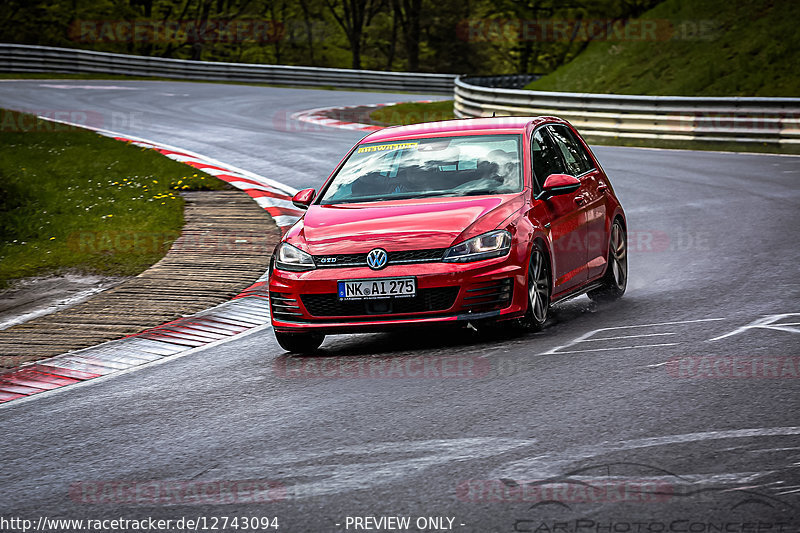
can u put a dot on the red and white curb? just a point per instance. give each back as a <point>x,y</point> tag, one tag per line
<point>241,315</point>
<point>244,313</point>
<point>321,116</point>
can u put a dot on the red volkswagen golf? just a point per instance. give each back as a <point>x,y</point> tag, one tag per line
<point>473,221</point>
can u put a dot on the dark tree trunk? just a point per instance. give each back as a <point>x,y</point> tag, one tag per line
<point>392,43</point>
<point>309,31</point>
<point>409,13</point>
<point>352,20</point>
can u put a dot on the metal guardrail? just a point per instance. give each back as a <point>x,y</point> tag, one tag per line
<point>771,121</point>
<point>729,119</point>
<point>28,58</point>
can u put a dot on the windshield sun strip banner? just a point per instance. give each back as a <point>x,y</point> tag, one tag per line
<point>384,147</point>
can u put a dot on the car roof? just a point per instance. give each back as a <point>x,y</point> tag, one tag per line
<point>464,126</point>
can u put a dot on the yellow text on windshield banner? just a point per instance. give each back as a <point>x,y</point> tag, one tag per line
<point>382,147</point>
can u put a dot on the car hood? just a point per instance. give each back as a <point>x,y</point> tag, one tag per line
<point>400,225</point>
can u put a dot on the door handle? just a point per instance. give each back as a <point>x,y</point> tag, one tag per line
<point>602,189</point>
<point>580,200</point>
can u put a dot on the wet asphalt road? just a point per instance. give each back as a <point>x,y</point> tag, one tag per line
<point>498,434</point>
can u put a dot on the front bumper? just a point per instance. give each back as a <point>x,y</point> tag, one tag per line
<point>446,293</point>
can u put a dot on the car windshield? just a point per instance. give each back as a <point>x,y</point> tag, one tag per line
<point>420,168</point>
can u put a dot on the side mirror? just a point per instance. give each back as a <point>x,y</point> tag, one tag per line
<point>304,198</point>
<point>557,184</point>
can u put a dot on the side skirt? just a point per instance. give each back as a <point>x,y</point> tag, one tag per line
<point>576,293</point>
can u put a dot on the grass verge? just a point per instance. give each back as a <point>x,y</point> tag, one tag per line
<point>72,200</point>
<point>708,48</point>
<point>413,113</point>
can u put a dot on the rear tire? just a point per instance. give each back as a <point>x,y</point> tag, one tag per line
<point>615,280</point>
<point>300,343</point>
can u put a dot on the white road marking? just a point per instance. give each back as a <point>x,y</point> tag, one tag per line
<point>111,87</point>
<point>620,348</point>
<point>627,337</point>
<point>586,337</point>
<point>665,323</point>
<point>766,322</point>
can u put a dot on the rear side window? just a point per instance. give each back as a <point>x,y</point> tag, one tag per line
<point>575,156</point>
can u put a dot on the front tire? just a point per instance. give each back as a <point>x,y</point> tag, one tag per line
<point>299,343</point>
<point>615,280</point>
<point>539,285</point>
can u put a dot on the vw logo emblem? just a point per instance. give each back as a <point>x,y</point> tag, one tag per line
<point>377,258</point>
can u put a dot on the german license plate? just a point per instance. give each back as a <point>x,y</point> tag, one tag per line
<point>363,289</point>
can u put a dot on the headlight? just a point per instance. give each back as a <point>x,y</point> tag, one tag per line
<point>492,244</point>
<point>293,259</point>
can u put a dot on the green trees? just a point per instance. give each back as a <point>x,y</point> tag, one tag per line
<point>456,36</point>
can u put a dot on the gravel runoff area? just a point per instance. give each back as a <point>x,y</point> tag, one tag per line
<point>223,249</point>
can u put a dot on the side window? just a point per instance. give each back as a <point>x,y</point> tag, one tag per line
<point>575,156</point>
<point>545,157</point>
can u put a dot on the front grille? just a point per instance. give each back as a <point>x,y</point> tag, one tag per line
<point>340,260</point>
<point>438,299</point>
<point>283,307</point>
<point>416,256</point>
<point>405,256</point>
<point>489,295</point>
